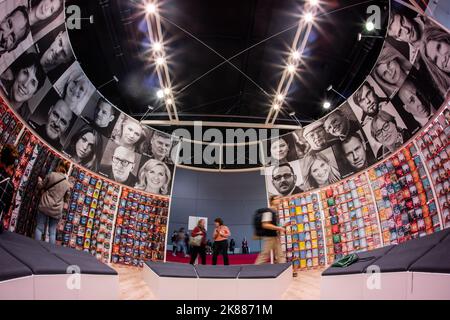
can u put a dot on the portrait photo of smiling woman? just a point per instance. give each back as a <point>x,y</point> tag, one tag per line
<point>154,177</point>
<point>318,171</point>
<point>75,88</point>
<point>22,81</point>
<point>391,70</point>
<point>42,13</point>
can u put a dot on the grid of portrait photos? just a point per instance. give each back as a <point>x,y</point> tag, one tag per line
<point>42,81</point>
<point>407,85</point>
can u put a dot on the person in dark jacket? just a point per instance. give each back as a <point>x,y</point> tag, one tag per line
<point>56,191</point>
<point>269,235</point>
<point>199,231</point>
<point>8,159</point>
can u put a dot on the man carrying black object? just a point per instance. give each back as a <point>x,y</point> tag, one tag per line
<point>267,229</point>
<point>8,159</point>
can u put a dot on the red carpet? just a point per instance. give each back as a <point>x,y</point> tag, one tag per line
<point>233,258</point>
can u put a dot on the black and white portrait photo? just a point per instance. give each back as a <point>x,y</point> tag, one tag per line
<point>341,122</point>
<point>353,154</point>
<point>130,134</point>
<point>284,179</point>
<point>391,70</point>
<point>281,150</point>
<point>120,164</point>
<point>24,84</point>
<point>85,145</point>
<point>56,53</point>
<point>44,15</point>
<point>154,176</point>
<point>15,35</point>
<point>367,102</point>
<point>316,136</point>
<point>319,169</point>
<point>302,146</point>
<point>101,115</point>
<point>160,148</point>
<point>52,120</point>
<point>75,88</point>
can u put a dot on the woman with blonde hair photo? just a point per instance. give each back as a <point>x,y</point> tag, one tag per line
<point>130,134</point>
<point>77,91</point>
<point>154,177</point>
<point>318,172</point>
<point>435,52</point>
<point>391,70</point>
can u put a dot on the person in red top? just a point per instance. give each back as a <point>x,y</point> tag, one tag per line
<point>221,234</point>
<point>199,230</point>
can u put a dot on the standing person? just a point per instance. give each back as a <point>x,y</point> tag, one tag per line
<point>220,246</point>
<point>245,246</point>
<point>173,239</point>
<point>55,192</point>
<point>232,245</point>
<point>199,231</point>
<point>268,230</point>
<point>181,242</point>
<point>8,159</point>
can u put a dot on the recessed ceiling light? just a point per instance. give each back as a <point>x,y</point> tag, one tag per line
<point>370,26</point>
<point>296,55</point>
<point>326,105</point>
<point>291,68</point>
<point>150,8</point>
<point>160,94</point>
<point>157,46</point>
<point>169,101</point>
<point>280,97</point>
<point>160,61</point>
<point>167,91</point>
<point>309,17</point>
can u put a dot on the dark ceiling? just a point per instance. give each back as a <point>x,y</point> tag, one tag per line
<point>117,44</point>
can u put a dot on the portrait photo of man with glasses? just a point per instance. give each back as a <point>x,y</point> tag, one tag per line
<point>282,179</point>
<point>120,164</point>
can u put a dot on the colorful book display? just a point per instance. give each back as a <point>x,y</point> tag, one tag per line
<point>350,218</point>
<point>304,239</point>
<point>404,197</point>
<point>10,126</point>
<point>88,220</point>
<point>140,228</point>
<point>435,148</point>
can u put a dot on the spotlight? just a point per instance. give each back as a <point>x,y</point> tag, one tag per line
<point>359,36</point>
<point>166,91</point>
<point>370,26</point>
<point>313,2</point>
<point>150,8</point>
<point>157,46</point>
<point>280,97</point>
<point>291,68</point>
<point>309,17</point>
<point>276,106</point>
<point>169,101</point>
<point>160,94</point>
<point>160,61</point>
<point>326,105</point>
<point>296,55</point>
<point>292,114</point>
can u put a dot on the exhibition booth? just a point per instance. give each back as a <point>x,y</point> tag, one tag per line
<point>371,177</point>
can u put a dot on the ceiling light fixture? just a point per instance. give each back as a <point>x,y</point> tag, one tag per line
<point>370,26</point>
<point>313,2</point>
<point>169,101</point>
<point>309,17</point>
<point>291,68</point>
<point>296,55</point>
<point>167,91</point>
<point>160,61</point>
<point>280,97</point>
<point>157,46</point>
<point>326,105</point>
<point>276,106</point>
<point>160,94</point>
<point>150,8</point>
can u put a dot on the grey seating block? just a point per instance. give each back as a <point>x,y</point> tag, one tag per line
<point>11,268</point>
<point>366,259</point>
<point>17,238</point>
<point>218,272</point>
<point>173,270</point>
<point>400,258</point>
<point>265,271</point>
<point>87,263</point>
<point>437,260</point>
<point>35,257</point>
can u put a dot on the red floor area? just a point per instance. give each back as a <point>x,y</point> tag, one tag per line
<point>233,258</point>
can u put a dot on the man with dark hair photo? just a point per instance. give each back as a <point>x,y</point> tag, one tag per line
<point>284,180</point>
<point>122,165</point>
<point>14,28</point>
<point>415,103</point>
<point>339,125</point>
<point>160,145</point>
<point>354,150</point>
<point>59,52</point>
<point>409,30</point>
<point>368,101</point>
<point>104,115</point>
<point>56,124</point>
<point>21,82</point>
